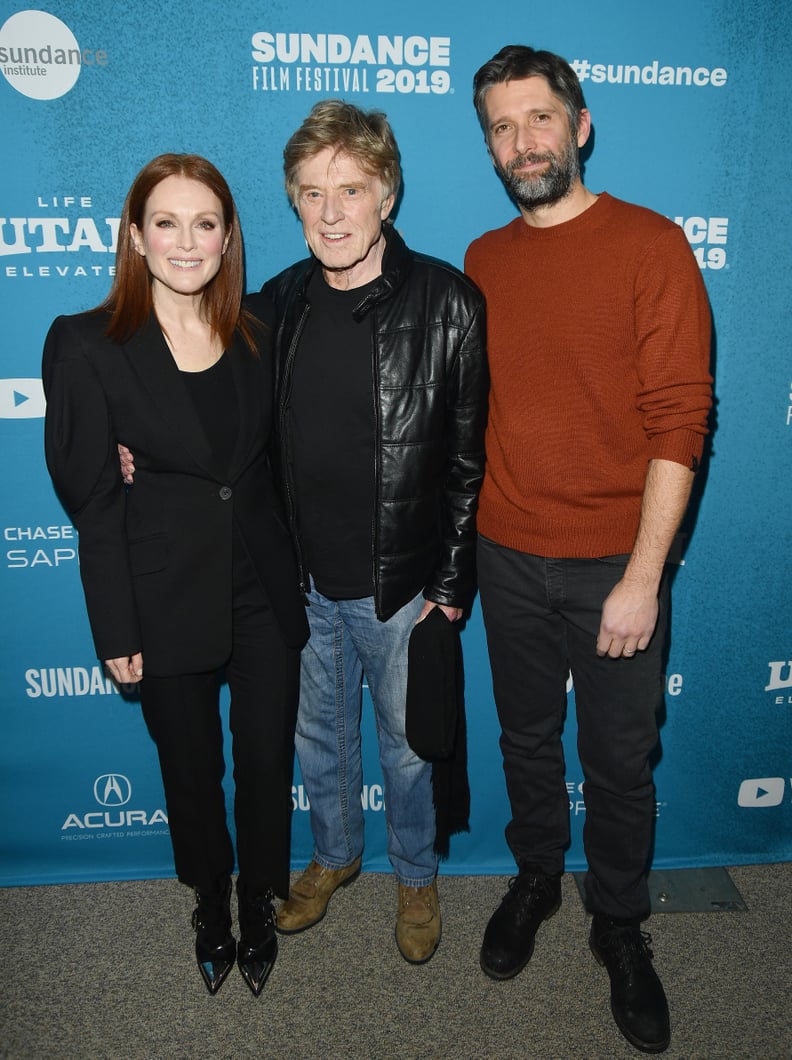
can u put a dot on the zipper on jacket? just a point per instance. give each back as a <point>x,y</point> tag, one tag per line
<point>377,462</point>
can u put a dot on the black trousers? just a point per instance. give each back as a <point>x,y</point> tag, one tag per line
<point>542,618</point>
<point>182,714</point>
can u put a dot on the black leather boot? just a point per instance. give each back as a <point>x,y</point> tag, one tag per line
<point>638,1001</point>
<point>509,939</point>
<point>258,944</point>
<point>215,946</point>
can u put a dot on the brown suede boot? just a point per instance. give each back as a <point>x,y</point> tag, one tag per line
<point>310,894</point>
<point>418,925</point>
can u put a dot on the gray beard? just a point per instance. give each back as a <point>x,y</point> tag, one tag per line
<point>554,184</point>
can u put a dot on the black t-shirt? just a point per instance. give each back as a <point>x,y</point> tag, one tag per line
<point>332,433</point>
<point>214,397</point>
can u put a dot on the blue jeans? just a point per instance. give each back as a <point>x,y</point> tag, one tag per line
<point>348,640</point>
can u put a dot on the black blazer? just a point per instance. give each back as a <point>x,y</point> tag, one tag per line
<point>155,559</point>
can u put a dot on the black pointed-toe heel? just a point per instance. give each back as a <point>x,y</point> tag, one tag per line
<point>256,963</point>
<point>215,946</point>
<point>258,945</point>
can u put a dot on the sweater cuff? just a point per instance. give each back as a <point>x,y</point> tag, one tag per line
<point>682,447</point>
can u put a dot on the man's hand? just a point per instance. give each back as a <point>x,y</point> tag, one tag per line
<point>127,462</point>
<point>629,615</point>
<point>126,671</point>
<point>453,614</point>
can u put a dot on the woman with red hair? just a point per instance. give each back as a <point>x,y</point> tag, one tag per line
<point>189,574</point>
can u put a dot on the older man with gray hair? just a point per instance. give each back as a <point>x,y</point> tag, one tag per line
<point>381,393</point>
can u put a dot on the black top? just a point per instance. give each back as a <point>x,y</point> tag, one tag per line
<point>212,393</point>
<point>333,431</point>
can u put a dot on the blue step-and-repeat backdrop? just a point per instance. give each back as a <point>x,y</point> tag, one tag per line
<point>689,104</point>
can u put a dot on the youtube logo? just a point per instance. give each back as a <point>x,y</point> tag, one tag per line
<point>766,791</point>
<point>21,399</point>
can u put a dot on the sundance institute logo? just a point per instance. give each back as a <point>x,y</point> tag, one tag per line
<point>40,56</point>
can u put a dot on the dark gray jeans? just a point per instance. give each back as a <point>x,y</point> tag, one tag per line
<point>542,618</point>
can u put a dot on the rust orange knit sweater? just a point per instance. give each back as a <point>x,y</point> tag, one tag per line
<point>599,344</point>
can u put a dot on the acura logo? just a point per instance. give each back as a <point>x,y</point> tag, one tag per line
<point>112,789</point>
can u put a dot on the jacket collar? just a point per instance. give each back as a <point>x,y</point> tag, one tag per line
<point>396,263</point>
<point>150,357</point>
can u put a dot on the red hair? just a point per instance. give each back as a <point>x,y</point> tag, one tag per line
<point>130,301</point>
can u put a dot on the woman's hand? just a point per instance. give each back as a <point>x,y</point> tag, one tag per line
<point>127,462</point>
<point>126,671</point>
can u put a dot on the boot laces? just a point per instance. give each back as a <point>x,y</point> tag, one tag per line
<point>528,889</point>
<point>629,945</point>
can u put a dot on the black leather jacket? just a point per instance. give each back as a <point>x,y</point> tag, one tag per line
<point>431,382</point>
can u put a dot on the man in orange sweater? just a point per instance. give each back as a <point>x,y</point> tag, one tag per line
<point>599,342</point>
